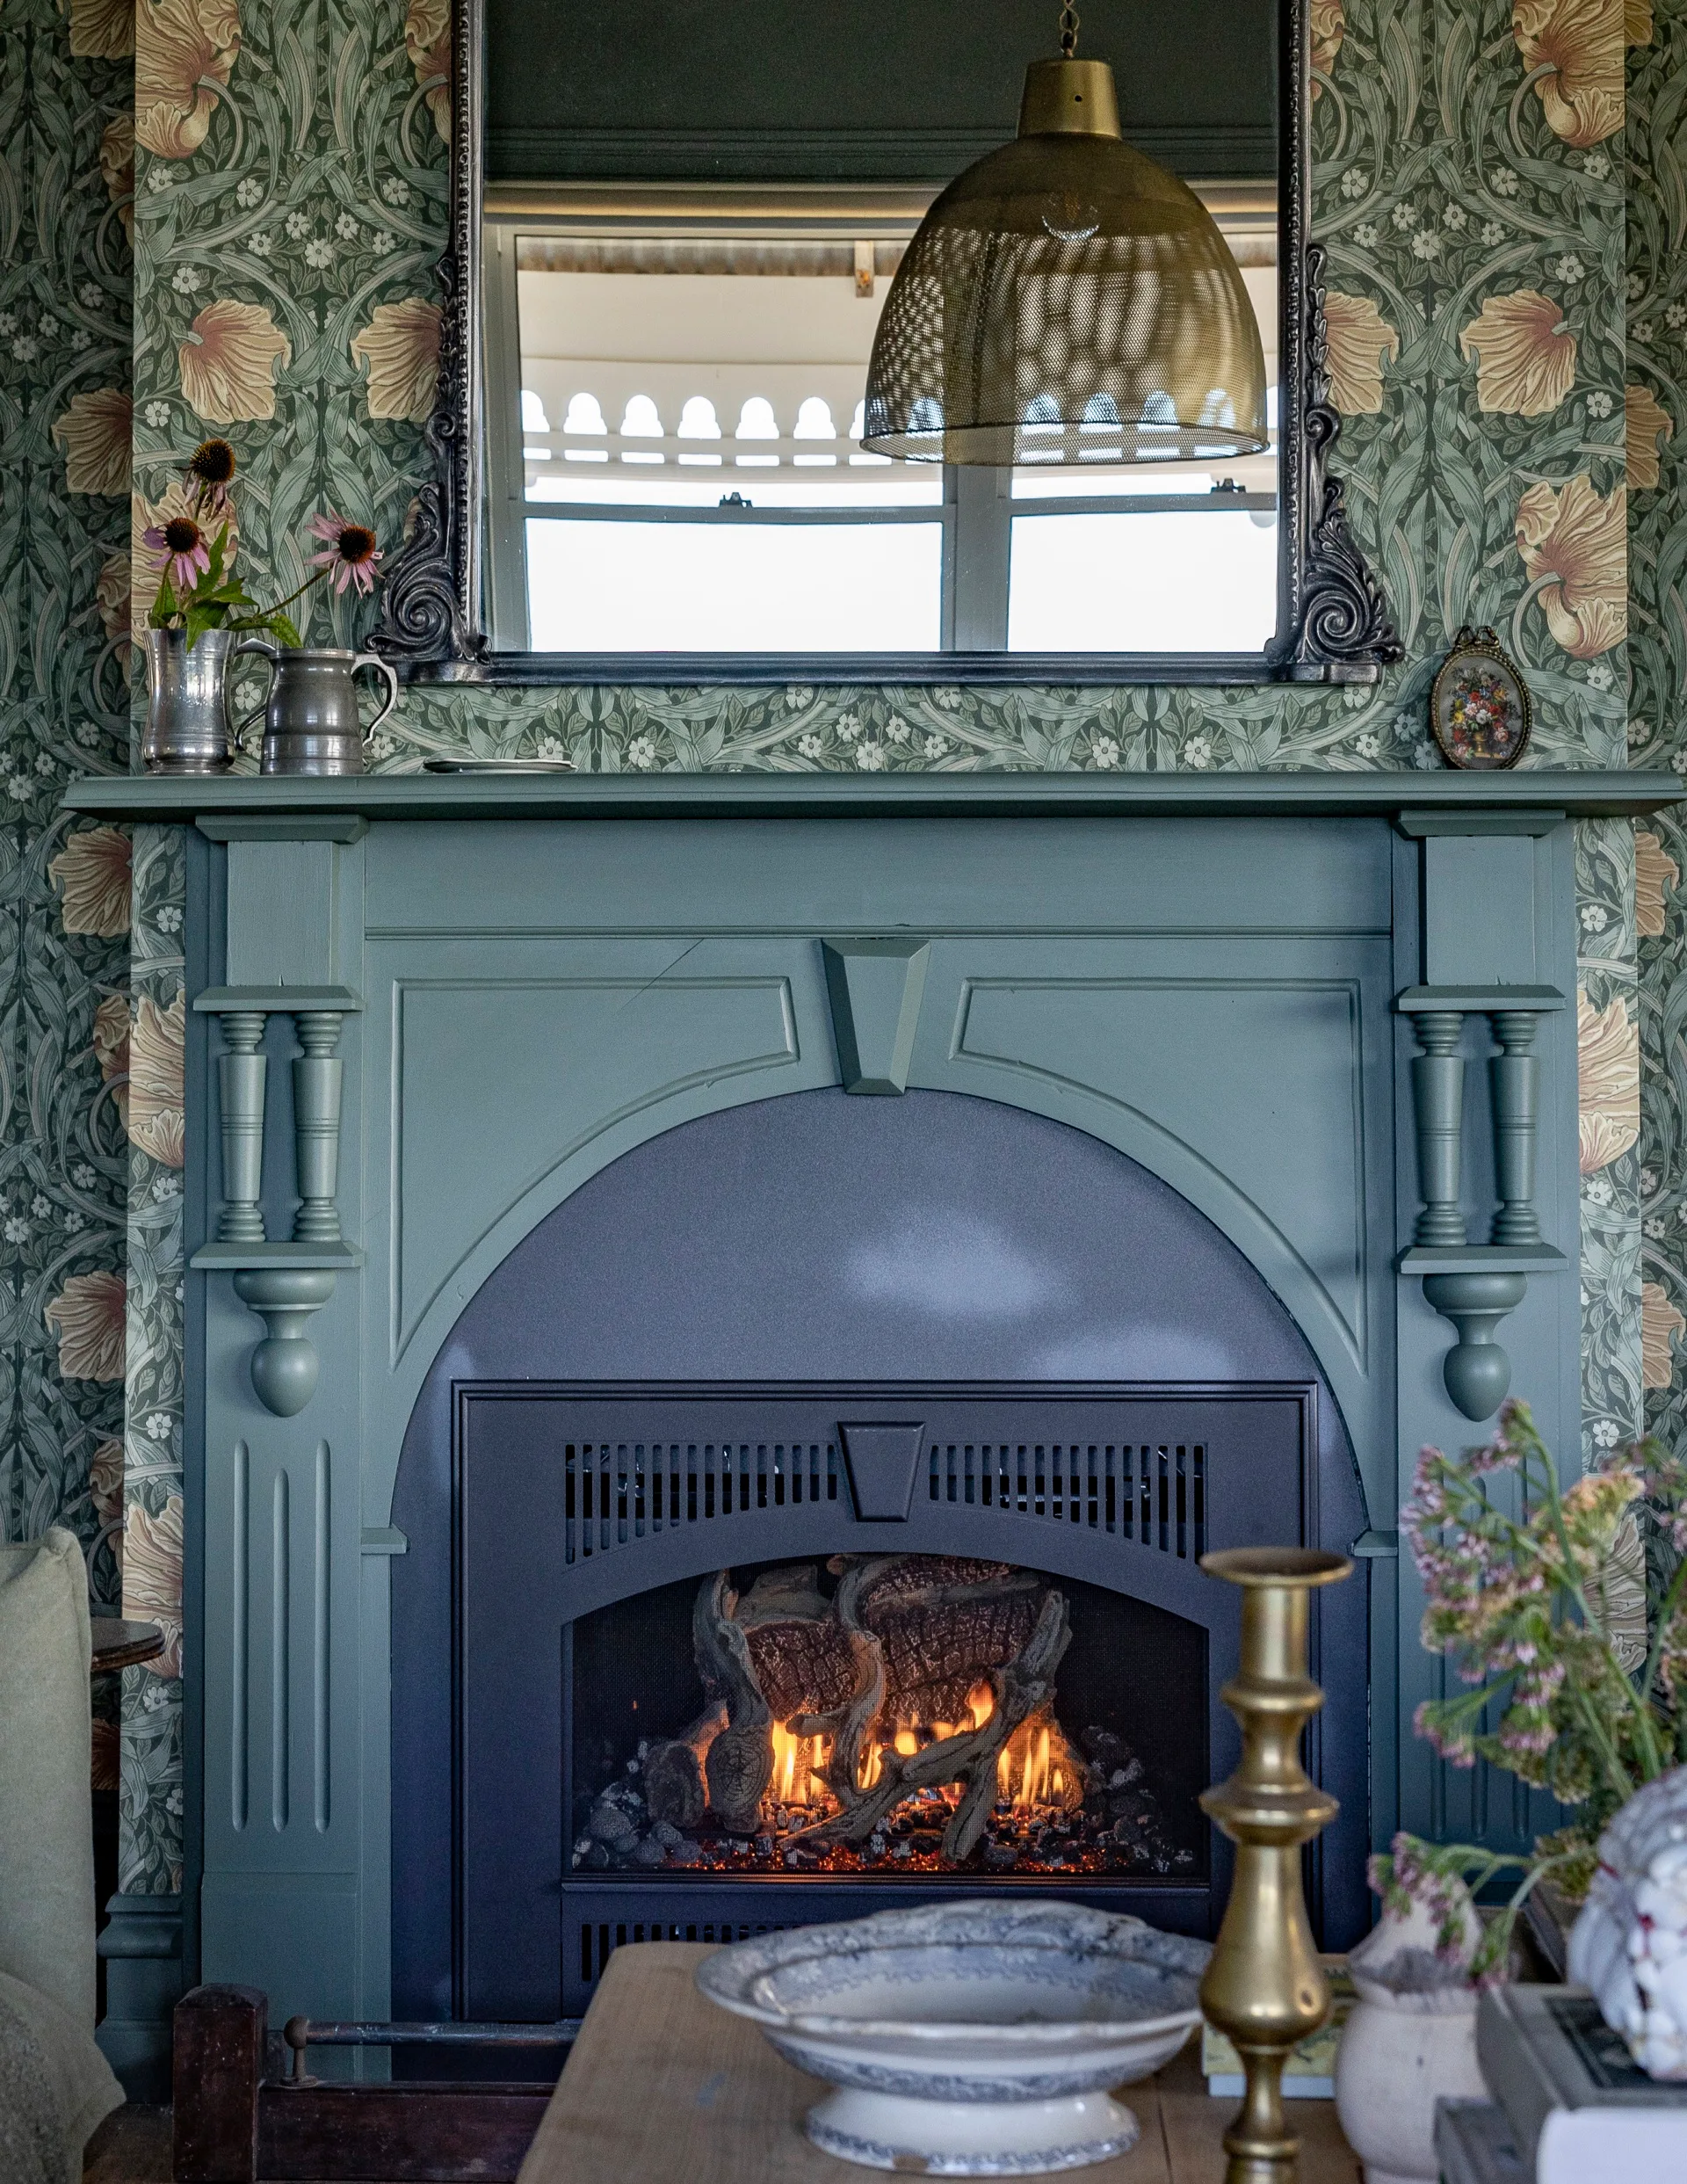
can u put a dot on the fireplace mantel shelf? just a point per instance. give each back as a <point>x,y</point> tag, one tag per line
<point>226,806</point>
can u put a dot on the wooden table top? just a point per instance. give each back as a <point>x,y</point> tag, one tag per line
<point>664,2088</point>
<point>118,1644</point>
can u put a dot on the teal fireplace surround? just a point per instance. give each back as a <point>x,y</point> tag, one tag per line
<point>500,985</point>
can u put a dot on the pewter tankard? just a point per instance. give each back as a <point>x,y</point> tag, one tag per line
<point>310,716</point>
<point>187,726</point>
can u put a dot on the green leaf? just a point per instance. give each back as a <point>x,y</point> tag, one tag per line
<point>201,617</point>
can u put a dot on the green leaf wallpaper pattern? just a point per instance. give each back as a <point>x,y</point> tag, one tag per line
<point>64,339</point>
<point>1470,183</point>
<point>1657,372</point>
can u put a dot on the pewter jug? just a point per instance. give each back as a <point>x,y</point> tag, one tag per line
<point>187,729</point>
<point>310,716</point>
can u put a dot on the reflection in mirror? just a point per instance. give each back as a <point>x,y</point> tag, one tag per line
<point>679,465</point>
<point>691,229</point>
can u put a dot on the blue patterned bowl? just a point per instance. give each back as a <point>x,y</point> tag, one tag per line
<point>969,2039</point>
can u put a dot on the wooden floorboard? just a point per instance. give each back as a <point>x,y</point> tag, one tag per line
<point>132,2146</point>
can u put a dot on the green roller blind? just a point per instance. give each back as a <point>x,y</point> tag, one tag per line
<point>855,90</point>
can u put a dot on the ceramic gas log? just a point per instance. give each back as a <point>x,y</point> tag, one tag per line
<point>906,1720</point>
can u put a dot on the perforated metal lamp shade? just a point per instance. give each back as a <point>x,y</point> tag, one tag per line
<point>1067,300</point>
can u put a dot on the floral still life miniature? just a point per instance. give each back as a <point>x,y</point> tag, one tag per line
<point>1481,711</point>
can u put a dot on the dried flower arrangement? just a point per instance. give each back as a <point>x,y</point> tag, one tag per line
<point>1565,1612</point>
<point>1432,1889</point>
<point>195,590</point>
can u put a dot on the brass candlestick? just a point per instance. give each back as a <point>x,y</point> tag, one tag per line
<point>1265,1987</point>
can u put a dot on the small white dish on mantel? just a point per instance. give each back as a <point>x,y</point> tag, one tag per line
<point>971,2038</point>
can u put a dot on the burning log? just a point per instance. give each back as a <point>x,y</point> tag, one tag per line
<point>800,1656</point>
<point>738,1763</point>
<point>906,1639</point>
<point>1021,1687</point>
<point>676,1786</point>
<point>943,1622</point>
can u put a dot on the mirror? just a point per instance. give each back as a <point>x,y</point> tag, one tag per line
<point>675,232</point>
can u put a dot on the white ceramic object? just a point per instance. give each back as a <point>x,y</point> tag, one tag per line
<point>969,2039</point>
<point>1409,2041</point>
<point>1629,1945</point>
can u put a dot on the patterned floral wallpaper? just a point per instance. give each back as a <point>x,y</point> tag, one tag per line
<point>1507,446</point>
<point>64,707</point>
<point>1657,421</point>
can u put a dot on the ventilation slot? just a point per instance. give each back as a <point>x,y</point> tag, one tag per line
<point>1154,1494</point>
<point>619,1492</point>
<point>599,1940</point>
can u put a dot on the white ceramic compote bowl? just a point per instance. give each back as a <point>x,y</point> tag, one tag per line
<point>969,2039</point>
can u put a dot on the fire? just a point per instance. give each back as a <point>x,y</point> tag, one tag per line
<point>1035,1769</point>
<point>798,1768</point>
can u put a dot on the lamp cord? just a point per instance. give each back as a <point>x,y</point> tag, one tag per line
<point>1068,32</point>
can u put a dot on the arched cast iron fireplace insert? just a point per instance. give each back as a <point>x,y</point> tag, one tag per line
<point>776,1341</point>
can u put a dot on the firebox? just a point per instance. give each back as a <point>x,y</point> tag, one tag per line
<point>887,1715</point>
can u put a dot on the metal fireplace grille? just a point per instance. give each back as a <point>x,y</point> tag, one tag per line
<point>617,1493</point>
<point>622,1491</point>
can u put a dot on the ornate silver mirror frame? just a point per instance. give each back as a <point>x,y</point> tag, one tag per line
<point>1332,621</point>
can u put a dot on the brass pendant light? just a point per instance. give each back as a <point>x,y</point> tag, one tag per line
<point>1067,300</point>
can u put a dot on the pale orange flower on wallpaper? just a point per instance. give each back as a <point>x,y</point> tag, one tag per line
<point>427,40</point>
<point>1660,1325</point>
<point>156,1075</point>
<point>1579,44</point>
<point>152,1577</point>
<point>102,30</point>
<point>87,1315</point>
<point>1648,425</point>
<point>1524,353</point>
<point>1656,875</point>
<point>111,1050</point>
<point>1574,543</point>
<point>1359,338</point>
<point>182,50</point>
<point>1327,28</point>
<point>146,568</point>
<point>228,358</point>
<point>105,1485</point>
<point>92,873</point>
<point>1608,1081</point>
<point>117,169</point>
<point>94,433</point>
<point>401,346</point>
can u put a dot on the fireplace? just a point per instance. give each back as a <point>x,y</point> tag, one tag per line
<point>801,1186</point>
<point>687,1656</point>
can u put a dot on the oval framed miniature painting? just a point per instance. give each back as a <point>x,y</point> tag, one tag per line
<point>1481,711</point>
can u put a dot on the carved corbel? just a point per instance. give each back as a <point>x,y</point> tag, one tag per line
<point>1474,1287</point>
<point>283,1284</point>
